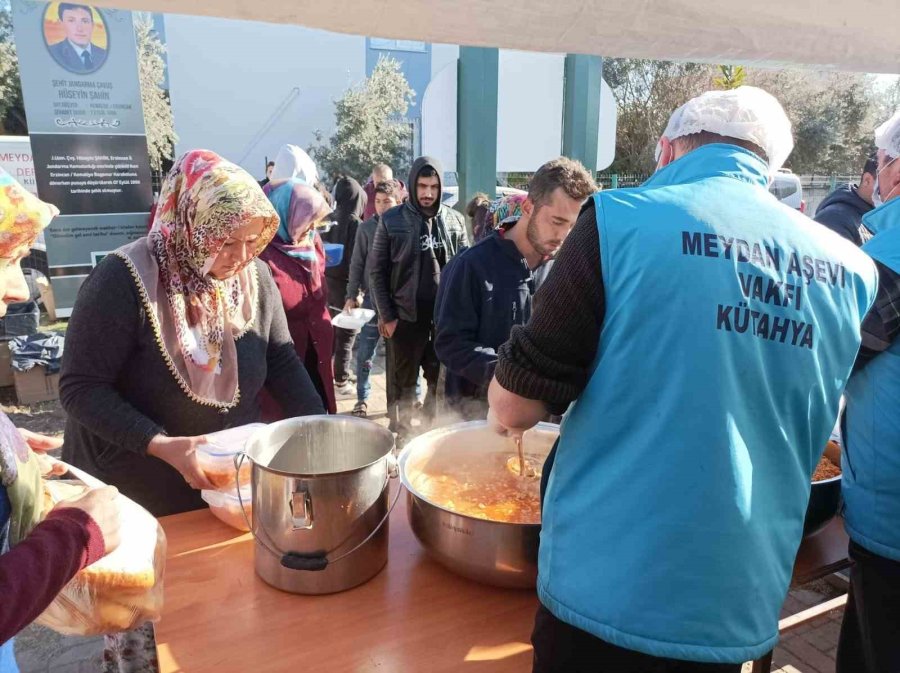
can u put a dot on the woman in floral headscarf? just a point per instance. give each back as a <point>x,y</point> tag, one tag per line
<point>175,335</point>
<point>296,258</point>
<point>46,555</point>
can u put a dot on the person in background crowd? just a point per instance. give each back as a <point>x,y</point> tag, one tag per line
<point>323,190</point>
<point>489,216</point>
<point>413,242</point>
<point>296,259</point>
<point>870,634</point>
<point>681,374</point>
<point>175,335</point>
<point>37,558</point>
<point>266,180</point>
<point>381,173</point>
<point>350,202</point>
<point>488,289</point>
<point>386,196</point>
<point>473,207</point>
<point>842,211</point>
<point>292,162</point>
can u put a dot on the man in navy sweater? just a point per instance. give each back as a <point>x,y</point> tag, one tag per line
<point>488,289</point>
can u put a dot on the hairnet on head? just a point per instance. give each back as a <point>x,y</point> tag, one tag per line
<point>745,113</point>
<point>887,136</point>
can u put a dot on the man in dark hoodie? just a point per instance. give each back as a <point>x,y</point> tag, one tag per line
<point>350,202</point>
<point>843,209</point>
<point>413,242</point>
<point>488,289</point>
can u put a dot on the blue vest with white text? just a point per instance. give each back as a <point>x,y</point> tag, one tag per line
<point>871,459</point>
<point>675,506</point>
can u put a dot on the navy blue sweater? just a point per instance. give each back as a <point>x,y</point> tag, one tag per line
<point>484,292</point>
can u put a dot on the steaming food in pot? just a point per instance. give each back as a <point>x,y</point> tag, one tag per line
<point>484,488</point>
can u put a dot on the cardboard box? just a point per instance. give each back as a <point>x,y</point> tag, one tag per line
<point>6,372</point>
<point>35,386</point>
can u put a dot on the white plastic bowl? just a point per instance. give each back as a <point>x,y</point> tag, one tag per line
<point>353,320</point>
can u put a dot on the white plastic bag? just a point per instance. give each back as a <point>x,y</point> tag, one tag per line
<point>122,590</point>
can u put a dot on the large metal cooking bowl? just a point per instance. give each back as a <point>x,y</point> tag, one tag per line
<point>502,554</point>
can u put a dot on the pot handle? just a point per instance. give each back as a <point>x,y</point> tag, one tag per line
<point>369,536</point>
<point>238,463</point>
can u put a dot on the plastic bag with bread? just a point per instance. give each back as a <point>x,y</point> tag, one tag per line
<point>122,590</point>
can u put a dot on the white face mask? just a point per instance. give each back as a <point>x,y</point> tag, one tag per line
<point>876,190</point>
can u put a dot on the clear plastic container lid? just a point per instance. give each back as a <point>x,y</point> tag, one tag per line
<point>216,456</point>
<point>226,443</point>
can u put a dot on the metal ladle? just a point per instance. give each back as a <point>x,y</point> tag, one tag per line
<point>522,466</point>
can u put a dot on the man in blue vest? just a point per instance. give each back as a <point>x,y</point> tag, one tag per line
<point>705,333</point>
<point>870,635</point>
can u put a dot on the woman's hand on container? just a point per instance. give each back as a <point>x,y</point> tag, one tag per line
<point>99,504</point>
<point>350,304</point>
<point>181,453</point>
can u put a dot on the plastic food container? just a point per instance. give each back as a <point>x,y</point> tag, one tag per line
<point>216,456</point>
<point>354,320</point>
<point>226,507</point>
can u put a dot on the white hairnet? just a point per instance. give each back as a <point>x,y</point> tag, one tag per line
<point>293,162</point>
<point>887,136</point>
<point>745,113</point>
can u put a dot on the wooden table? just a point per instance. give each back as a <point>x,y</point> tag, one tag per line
<point>414,616</point>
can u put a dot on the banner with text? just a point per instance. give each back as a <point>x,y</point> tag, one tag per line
<point>79,71</point>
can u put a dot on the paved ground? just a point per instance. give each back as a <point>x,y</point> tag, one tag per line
<point>810,649</point>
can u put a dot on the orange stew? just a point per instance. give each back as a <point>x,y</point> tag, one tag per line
<point>484,488</point>
<point>826,469</point>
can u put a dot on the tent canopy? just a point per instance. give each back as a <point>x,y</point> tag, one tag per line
<point>861,36</point>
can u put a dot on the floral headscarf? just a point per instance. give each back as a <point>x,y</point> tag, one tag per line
<point>22,217</point>
<point>495,214</point>
<point>203,200</point>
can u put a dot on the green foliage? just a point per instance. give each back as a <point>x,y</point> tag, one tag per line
<point>647,92</point>
<point>12,109</point>
<point>732,76</point>
<point>833,113</point>
<point>369,127</point>
<point>158,118</point>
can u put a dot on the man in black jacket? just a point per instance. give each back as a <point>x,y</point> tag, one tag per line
<point>843,209</point>
<point>413,243</point>
<point>488,289</point>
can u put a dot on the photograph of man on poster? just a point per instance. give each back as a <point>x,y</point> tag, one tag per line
<point>82,47</point>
